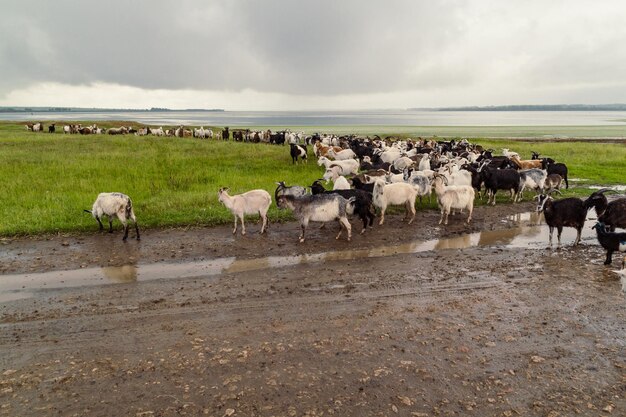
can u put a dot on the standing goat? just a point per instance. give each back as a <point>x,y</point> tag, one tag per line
<point>568,212</point>
<point>114,205</point>
<point>318,208</point>
<point>453,197</point>
<point>611,241</point>
<point>612,214</point>
<point>251,202</point>
<point>394,194</point>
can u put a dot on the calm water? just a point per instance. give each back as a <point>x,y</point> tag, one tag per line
<point>343,118</point>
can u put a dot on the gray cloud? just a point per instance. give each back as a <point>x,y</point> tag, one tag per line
<point>323,48</point>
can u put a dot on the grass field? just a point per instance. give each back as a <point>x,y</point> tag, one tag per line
<point>48,179</point>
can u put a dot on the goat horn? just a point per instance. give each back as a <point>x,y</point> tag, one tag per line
<point>554,190</point>
<point>604,190</point>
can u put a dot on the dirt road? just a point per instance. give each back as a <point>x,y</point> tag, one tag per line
<point>386,327</point>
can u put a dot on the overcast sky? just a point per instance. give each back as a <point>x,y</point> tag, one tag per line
<point>300,55</point>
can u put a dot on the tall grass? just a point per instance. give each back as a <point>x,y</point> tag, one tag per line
<point>47,180</point>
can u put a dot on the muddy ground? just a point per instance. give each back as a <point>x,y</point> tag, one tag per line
<point>483,331</point>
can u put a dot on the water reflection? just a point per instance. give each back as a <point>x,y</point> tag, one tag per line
<point>529,234</point>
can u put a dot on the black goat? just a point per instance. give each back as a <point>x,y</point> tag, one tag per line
<point>500,179</point>
<point>363,206</point>
<point>360,185</point>
<point>568,212</point>
<point>611,241</point>
<point>612,214</point>
<point>51,128</point>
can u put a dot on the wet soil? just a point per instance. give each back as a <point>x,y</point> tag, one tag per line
<point>493,329</point>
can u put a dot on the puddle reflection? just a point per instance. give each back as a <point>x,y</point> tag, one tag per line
<point>530,233</point>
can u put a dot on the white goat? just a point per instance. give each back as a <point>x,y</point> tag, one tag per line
<point>453,197</point>
<point>341,155</point>
<point>348,166</point>
<point>251,202</point>
<point>114,205</point>
<point>424,163</point>
<point>339,181</point>
<point>394,194</point>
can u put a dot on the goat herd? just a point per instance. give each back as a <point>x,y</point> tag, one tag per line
<point>374,174</point>
<point>370,174</point>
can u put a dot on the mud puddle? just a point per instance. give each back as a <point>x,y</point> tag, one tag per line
<point>530,233</point>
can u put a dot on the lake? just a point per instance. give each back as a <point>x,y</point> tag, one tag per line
<point>342,118</point>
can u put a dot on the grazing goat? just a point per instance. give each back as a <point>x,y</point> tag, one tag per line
<point>553,182</point>
<point>298,151</point>
<point>453,197</point>
<point>117,131</point>
<point>363,206</point>
<point>318,208</point>
<point>348,166</point>
<point>568,212</point>
<point>612,214</point>
<point>251,202</point>
<point>114,205</point>
<point>611,241</point>
<point>394,194</point>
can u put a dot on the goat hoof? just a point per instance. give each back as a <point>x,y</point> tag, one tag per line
<point>301,240</point>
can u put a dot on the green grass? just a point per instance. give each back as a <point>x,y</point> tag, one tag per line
<point>47,180</point>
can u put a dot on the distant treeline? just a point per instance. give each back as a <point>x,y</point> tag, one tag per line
<point>86,110</point>
<point>537,107</point>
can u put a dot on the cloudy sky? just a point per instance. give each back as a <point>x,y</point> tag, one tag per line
<point>302,55</point>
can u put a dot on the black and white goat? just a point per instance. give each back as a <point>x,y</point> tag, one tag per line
<point>318,208</point>
<point>363,206</point>
<point>114,205</point>
<point>298,151</point>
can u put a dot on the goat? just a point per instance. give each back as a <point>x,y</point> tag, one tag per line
<point>612,214</point>
<point>533,179</point>
<point>282,189</point>
<point>610,241</point>
<point>453,197</point>
<point>339,181</point>
<point>318,208</point>
<point>362,206</point>
<point>360,185</point>
<point>341,155</point>
<point>114,205</point>
<point>553,182</point>
<point>500,179</point>
<point>298,151</point>
<point>348,166</point>
<point>251,202</point>
<point>526,164</point>
<point>51,128</point>
<point>118,131</point>
<point>555,168</point>
<point>568,212</point>
<point>419,181</point>
<point>394,194</point>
